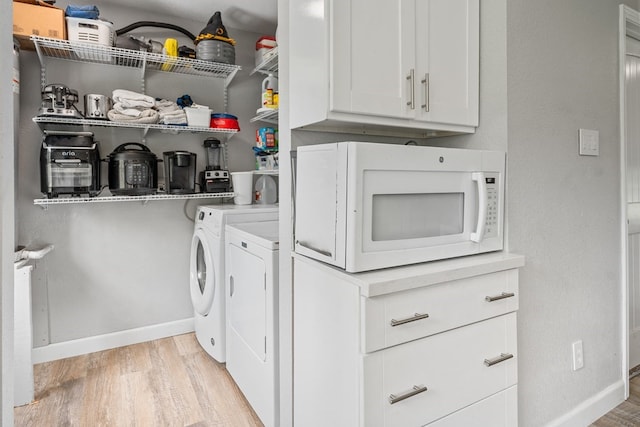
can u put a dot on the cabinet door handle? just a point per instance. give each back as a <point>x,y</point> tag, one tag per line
<point>499,359</point>
<point>232,286</point>
<point>499,297</point>
<point>425,82</point>
<point>412,89</point>
<point>416,389</point>
<point>416,316</point>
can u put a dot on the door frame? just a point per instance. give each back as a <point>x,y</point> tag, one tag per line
<point>629,25</point>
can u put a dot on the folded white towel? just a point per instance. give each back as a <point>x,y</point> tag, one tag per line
<point>174,120</point>
<point>173,117</point>
<point>146,116</point>
<point>120,108</point>
<point>179,113</point>
<point>132,99</point>
<point>166,105</point>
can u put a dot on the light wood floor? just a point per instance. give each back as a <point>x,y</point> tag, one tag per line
<point>626,414</point>
<point>168,382</point>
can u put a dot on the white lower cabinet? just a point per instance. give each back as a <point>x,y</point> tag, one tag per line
<point>499,410</point>
<point>440,353</point>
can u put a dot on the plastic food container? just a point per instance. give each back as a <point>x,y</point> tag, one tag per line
<point>266,139</point>
<point>198,116</point>
<point>224,121</point>
<point>263,46</point>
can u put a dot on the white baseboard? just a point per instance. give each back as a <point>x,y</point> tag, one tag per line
<point>593,408</point>
<point>81,346</point>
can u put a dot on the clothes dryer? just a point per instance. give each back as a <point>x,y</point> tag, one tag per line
<point>207,264</point>
<point>252,315</point>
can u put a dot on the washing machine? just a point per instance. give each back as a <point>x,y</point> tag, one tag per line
<point>207,264</point>
<point>252,310</point>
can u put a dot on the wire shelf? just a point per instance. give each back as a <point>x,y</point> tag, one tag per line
<point>99,54</point>
<point>266,116</point>
<point>269,64</point>
<point>146,127</point>
<point>143,199</point>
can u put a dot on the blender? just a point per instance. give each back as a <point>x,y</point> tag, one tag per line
<point>214,179</point>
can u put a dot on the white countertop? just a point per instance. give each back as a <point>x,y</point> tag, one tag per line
<point>389,280</point>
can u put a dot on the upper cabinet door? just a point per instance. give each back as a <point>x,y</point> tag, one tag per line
<point>447,47</point>
<point>399,67</point>
<point>372,46</point>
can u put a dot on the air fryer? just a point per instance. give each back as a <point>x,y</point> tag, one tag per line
<point>69,164</point>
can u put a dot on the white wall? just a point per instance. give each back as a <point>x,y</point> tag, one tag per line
<point>6,222</point>
<point>120,266</point>
<point>563,208</point>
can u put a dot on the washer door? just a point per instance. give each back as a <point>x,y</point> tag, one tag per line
<point>202,281</point>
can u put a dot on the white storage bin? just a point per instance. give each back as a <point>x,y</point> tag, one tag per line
<point>92,31</point>
<point>198,116</point>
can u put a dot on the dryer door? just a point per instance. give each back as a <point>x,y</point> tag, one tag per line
<point>202,273</point>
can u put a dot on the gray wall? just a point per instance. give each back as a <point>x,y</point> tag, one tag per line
<point>547,69</point>
<point>6,222</point>
<point>120,266</point>
<point>564,209</point>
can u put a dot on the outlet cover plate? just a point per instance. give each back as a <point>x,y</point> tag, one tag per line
<point>578,355</point>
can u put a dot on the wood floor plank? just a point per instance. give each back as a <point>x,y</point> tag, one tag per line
<point>187,344</point>
<point>100,401</point>
<point>135,358</point>
<point>167,382</point>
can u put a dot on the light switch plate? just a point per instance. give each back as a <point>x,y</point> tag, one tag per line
<point>589,140</point>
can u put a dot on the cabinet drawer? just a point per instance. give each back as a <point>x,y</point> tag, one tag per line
<point>499,410</point>
<point>419,382</point>
<point>401,317</point>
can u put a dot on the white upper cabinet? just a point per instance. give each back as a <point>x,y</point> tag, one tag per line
<point>371,56</point>
<point>409,66</point>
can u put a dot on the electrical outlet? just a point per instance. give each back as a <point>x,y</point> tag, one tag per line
<point>578,356</point>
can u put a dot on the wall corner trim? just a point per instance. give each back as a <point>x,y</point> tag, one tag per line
<point>82,346</point>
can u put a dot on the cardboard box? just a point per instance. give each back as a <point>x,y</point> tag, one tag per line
<point>37,18</point>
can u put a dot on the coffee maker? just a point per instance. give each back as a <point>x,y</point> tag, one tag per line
<point>214,179</point>
<point>179,172</point>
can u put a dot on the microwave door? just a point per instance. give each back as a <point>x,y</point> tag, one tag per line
<point>415,216</point>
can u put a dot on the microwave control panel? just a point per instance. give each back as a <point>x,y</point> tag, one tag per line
<point>492,182</point>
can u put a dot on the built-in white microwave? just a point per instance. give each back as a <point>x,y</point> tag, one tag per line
<point>364,206</point>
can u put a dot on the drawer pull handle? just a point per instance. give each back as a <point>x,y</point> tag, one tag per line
<point>501,296</point>
<point>413,318</point>
<point>417,389</point>
<point>499,359</point>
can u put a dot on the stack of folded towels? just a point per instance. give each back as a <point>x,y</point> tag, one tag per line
<point>133,107</point>
<point>170,113</point>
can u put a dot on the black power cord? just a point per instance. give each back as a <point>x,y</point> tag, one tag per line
<point>139,24</point>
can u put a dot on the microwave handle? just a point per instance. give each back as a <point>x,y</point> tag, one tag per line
<point>311,248</point>
<point>479,178</point>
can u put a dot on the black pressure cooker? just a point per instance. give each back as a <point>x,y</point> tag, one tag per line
<point>133,170</point>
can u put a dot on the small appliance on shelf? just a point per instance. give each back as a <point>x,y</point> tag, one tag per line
<point>133,170</point>
<point>180,172</point>
<point>69,164</point>
<point>214,179</point>
<point>60,101</point>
